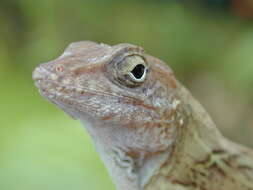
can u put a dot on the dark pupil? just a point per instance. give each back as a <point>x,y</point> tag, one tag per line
<point>138,71</point>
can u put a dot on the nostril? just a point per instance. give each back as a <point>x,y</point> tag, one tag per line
<point>59,68</point>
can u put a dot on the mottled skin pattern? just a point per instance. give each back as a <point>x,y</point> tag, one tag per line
<point>149,131</point>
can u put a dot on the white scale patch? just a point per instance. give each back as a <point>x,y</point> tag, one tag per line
<point>126,162</point>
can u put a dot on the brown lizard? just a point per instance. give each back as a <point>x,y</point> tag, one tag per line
<point>148,129</point>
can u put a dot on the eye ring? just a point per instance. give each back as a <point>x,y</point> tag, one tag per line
<point>131,71</point>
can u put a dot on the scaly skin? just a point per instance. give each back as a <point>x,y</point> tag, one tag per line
<point>148,129</point>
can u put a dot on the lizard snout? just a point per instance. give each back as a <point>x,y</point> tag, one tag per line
<point>43,77</point>
<point>38,74</point>
<point>41,73</point>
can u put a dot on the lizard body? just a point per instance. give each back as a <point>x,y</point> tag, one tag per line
<point>148,129</point>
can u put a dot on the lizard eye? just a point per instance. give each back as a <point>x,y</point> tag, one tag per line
<point>138,73</point>
<point>132,70</point>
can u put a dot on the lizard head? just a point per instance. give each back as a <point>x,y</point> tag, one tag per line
<point>126,97</point>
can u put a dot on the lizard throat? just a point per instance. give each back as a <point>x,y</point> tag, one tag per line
<point>129,167</point>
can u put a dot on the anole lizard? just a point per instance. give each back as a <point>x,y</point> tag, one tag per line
<point>148,129</point>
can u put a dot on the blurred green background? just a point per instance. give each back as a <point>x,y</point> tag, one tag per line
<point>209,45</point>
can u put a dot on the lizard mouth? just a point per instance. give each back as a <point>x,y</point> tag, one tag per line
<point>54,88</point>
<point>56,92</point>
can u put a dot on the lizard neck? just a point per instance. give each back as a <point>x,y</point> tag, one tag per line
<point>128,169</point>
<point>110,154</point>
<point>203,158</point>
